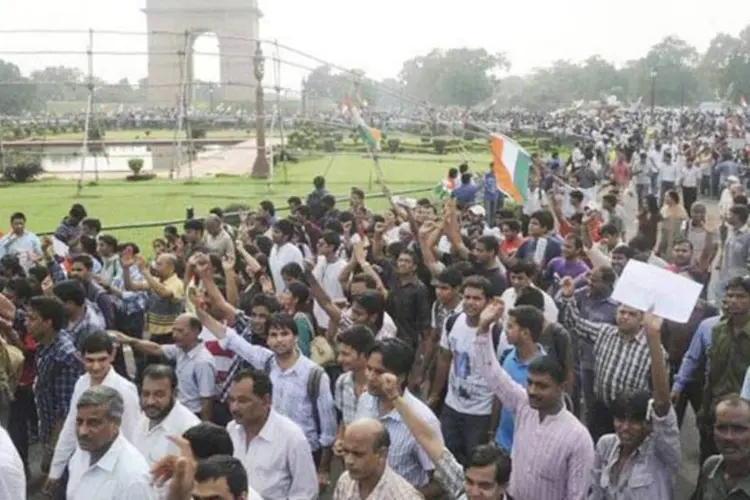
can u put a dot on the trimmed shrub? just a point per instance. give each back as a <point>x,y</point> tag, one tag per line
<point>22,168</point>
<point>439,145</point>
<point>198,132</point>
<point>135,165</point>
<point>329,145</point>
<point>96,134</point>
<point>394,145</point>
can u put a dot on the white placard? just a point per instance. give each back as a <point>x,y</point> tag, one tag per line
<point>643,286</point>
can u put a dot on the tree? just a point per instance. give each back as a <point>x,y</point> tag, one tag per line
<point>462,76</point>
<point>60,83</point>
<point>18,93</point>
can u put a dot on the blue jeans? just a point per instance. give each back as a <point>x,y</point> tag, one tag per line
<point>462,433</point>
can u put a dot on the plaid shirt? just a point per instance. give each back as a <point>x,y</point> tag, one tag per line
<point>621,364</point>
<point>242,326</point>
<point>58,367</point>
<point>450,474</point>
<point>91,321</point>
<point>390,486</point>
<point>131,302</point>
<point>346,398</point>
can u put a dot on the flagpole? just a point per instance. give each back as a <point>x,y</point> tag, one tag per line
<point>490,133</point>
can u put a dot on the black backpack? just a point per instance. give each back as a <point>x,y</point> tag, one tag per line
<point>313,388</point>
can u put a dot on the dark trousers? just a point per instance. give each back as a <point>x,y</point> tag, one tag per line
<point>62,486</point>
<point>22,414</point>
<point>462,433</point>
<point>583,392</point>
<point>599,420</point>
<point>693,394</point>
<point>641,191</point>
<point>689,195</point>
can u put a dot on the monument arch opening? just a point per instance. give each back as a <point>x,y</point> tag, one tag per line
<point>173,26</point>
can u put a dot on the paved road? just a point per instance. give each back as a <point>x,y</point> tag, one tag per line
<point>690,452</point>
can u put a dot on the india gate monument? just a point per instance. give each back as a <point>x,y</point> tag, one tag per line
<point>235,23</point>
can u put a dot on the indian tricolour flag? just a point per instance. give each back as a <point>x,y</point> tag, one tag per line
<point>511,165</point>
<point>370,135</point>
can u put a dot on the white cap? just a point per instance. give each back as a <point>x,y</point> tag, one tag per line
<point>478,210</point>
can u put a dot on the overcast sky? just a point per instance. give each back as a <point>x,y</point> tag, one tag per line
<point>379,36</point>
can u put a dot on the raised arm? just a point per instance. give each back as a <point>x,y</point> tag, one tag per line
<point>571,316</point>
<point>665,431</point>
<point>511,394</point>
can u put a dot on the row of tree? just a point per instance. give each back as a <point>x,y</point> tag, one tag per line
<point>672,72</point>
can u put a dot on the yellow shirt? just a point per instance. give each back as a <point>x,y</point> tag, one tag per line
<point>162,312</point>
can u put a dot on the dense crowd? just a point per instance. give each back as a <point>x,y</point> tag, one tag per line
<point>460,347</point>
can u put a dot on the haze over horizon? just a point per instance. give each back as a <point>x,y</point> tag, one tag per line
<point>377,40</point>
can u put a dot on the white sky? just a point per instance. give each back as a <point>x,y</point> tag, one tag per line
<point>378,37</point>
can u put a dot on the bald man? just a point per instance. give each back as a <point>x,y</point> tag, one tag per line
<point>166,291</point>
<point>217,239</point>
<point>195,368</point>
<point>365,452</point>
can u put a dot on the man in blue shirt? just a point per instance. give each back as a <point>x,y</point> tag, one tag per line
<point>524,327</point>
<point>466,193</point>
<point>492,196</point>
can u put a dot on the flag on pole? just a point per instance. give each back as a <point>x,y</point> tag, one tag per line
<point>444,189</point>
<point>370,135</point>
<point>743,102</point>
<point>511,165</point>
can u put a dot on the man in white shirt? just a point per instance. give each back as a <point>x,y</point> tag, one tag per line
<point>283,252</point>
<point>98,351</point>
<point>327,271</point>
<point>669,173</point>
<point>273,449</point>
<point>105,466</point>
<point>12,475</point>
<point>162,416</point>
<point>21,243</point>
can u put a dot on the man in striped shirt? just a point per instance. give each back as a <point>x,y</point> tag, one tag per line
<point>621,356</point>
<point>541,423</point>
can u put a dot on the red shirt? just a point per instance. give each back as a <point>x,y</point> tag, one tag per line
<point>509,247</point>
<point>621,173</point>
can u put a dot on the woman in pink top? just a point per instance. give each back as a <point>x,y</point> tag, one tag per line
<point>621,171</point>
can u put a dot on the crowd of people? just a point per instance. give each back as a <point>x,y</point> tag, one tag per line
<point>459,348</point>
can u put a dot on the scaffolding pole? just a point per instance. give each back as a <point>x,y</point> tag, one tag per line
<point>181,111</point>
<point>277,88</point>
<point>89,111</point>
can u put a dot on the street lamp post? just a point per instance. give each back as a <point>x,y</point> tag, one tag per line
<point>653,91</point>
<point>304,97</point>
<point>261,168</point>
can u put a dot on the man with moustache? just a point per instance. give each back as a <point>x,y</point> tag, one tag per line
<point>273,449</point>
<point>727,475</point>
<point>105,466</point>
<point>97,350</point>
<point>365,451</point>
<point>163,415</point>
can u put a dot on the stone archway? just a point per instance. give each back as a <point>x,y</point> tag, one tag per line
<point>235,23</point>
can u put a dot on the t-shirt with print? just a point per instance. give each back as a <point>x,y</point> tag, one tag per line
<point>468,392</point>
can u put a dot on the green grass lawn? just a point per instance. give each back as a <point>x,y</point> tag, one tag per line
<point>121,202</point>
